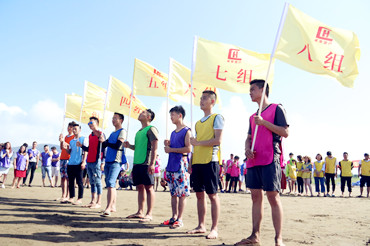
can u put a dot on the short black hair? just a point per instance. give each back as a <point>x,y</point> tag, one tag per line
<point>345,153</point>
<point>72,123</point>
<point>25,145</point>
<point>94,118</point>
<point>46,145</point>
<point>178,109</point>
<point>299,157</point>
<point>53,148</point>
<point>260,84</point>
<point>236,157</point>
<point>152,114</point>
<point>75,124</point>
<point>366,154</point>
<point>328,153</point>
<point>209,92</point>
<point>121,117</point>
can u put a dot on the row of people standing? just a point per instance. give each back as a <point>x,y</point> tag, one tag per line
<point>299,174</point>
<point>25,162</point>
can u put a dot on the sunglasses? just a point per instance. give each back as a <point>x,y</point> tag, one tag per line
<point>90,123</point>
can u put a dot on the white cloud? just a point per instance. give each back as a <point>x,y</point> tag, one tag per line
<point>43,123</point>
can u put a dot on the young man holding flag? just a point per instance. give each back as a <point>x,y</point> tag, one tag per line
<point>264,170</point>
<point>204,165</point>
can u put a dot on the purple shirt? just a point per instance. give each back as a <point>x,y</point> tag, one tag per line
<point>5,162</point>
<point>35,153</point>
<point>46,159</point>
<point>177,140</point>
<point>55,163</point>
<point>21,162</point>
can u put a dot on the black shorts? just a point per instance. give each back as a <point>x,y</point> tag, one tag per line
<point>205,177</point>
<point>141,176</point>
<point>363,180</point>
<point>266,177</point>
<point>228,177</point>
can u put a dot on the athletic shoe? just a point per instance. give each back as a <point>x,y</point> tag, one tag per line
<point>169,222</point>
<point>3,186</point>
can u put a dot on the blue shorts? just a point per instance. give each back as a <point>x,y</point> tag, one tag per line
<point>111,171</point>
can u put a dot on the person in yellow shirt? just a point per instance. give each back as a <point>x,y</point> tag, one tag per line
<point>318,173</point>
<point>331,169</point>
<point>291,174</point>
<point>306,174</point>
<point>299,175</point>
<point>364,173</point>
<point>345,167</point>
<point>204,165</point>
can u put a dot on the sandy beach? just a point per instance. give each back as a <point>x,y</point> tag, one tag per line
<point>32,216</point>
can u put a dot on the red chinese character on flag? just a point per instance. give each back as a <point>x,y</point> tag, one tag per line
<point>334,60</point>
<point>242,76</point>
<point>322,35</point>
<point>153,83</point>
<point>137,110</point>
<point>188,90</point>
<point>307,46</point>
<point>233,56</point>
<point>208,88</point>
<point>125,101</point>
<point>218,74</point>
<point>158,73</point>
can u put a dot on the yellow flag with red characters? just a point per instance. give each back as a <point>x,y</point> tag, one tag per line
<point>229,67</point>
<point>118,99</point>
<point>149,81</point>
<point>180,84</point>
<point>73,104</point>
<point>311,45</point>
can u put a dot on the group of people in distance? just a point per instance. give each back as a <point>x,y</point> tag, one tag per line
<point>192,162</point>
<point>25,162</point>
<point>299,174</point>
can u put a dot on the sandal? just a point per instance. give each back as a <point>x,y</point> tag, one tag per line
<point>169,222</point>
<point>177,224</point>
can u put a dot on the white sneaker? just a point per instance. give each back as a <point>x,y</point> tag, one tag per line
<point>3,186</point>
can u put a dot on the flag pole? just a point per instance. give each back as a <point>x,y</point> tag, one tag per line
<point>277,38</point>
<point>191,81</point>
<point>82,103</point>
<point>105,107</point>
<point>64,116</point>
<point>168,94</point>
<point>131,96</point>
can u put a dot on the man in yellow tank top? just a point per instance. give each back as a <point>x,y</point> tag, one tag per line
<point>345,167</point>
<point>364,173</point>
<point>331,169</point>
<point>204,165</point>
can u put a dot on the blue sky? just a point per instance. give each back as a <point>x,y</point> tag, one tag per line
<point>49,48</point>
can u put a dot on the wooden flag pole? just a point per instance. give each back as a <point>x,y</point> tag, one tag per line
<point>168,95</point>
<point>277,38</point>
<point>191,81</point>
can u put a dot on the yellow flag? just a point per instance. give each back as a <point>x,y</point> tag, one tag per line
<point>149,81</point>
<point>73,110</point>
<point>317,48</point>
<point>73,106</point>
<point>94,97</point>
<point>229,67</point>
<point>93,104</point>
<point>118,99</point>
<point>180,84</point>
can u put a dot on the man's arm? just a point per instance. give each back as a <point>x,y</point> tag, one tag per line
<point>212,142</point>
<point>359,169</point>
<point>153,154</point>
<point>279,130</point>
<point>182,150</point>
<point>248,152</point>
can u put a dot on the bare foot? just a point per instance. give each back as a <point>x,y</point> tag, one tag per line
<point>88,205</point>
<point>251,240</point>
<point>279,242</point>
<point>135,216</point>
<point>197,230</point>
<point>147,218</point>
<point>212,235</point>
<point>95,205</point>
